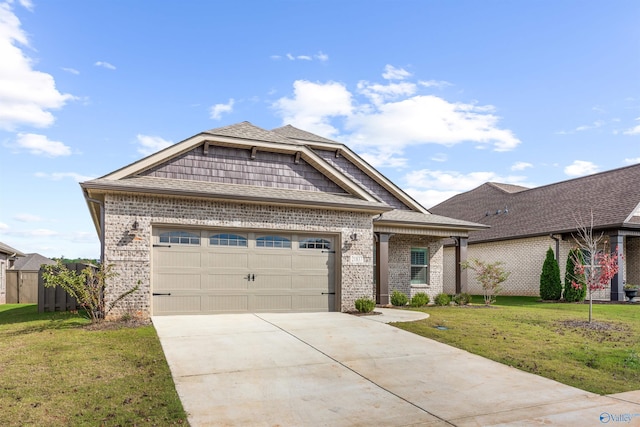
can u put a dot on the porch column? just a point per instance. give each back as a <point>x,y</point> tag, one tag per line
<point>382,268</point>
<point>462,284</point>
<point>617,292</point>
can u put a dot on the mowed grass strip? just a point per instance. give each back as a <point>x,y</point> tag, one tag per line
<point>57,372</point>
<point>547,339</point>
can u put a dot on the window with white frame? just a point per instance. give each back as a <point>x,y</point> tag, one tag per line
<point>180,238</point>
<point>419,266</point>
<point>225,239</point>
<point>273,242</point>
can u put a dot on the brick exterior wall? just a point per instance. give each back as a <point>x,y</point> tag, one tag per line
<point>400,264</point>
<point>131,254</point>
<point>524,259</point>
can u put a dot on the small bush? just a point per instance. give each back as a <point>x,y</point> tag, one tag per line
<point>365,305</point>
<point>419,299</point>
<point>442,299</point>
<point>398,298</point>
<point>550,284</point>
<point>462,299</point>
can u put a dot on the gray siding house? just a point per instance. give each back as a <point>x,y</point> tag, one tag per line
<point>243,219</point>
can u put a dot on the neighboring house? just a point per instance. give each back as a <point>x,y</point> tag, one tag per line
<point>22,279</point>
<point>243,219</point>
<point>526,222</point>
<point>8,256</point>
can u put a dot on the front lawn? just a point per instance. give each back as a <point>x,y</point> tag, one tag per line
<point>55,371</point>
<point>547,339</point>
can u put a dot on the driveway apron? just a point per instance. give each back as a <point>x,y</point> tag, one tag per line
<point>334,369</point>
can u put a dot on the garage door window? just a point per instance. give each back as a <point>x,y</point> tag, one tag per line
<point>180,238</point>
<point>227,240</point>
<point>273,242</point>
<point>314,243</point>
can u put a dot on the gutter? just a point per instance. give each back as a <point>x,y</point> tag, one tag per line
<point>557,247</point>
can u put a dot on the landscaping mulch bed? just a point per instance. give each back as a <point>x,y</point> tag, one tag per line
<point>357,313</point>
<point>110,325</point>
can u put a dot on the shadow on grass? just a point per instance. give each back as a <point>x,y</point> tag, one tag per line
<point>28,315</point>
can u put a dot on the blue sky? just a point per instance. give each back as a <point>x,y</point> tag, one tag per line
<point>441,96</point>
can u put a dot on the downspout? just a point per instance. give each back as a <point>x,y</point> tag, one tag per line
<point>100,203</point>
<point>557,247</point>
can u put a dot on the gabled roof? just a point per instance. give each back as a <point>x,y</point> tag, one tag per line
<point>410,218</point>
<point>613,197</point>
<point>32,262</point>
<point>248,131</point>
<point>6,249</point>
<point>294,133</point>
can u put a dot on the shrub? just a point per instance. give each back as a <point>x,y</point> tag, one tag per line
<point>365,305</point>
<point>462,299</point>
<point>398,298</point>
<point>442,299</point>
<point>419,299</point>
<point>571,293</point>
<point>550,284</point>
<point>490,277</point>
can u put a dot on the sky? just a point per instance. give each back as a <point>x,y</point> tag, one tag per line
<point>440,96</point>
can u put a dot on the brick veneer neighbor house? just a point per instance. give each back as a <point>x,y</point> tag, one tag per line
<point>242,219</point>
<point>7,256</point>
<point>526,222</point>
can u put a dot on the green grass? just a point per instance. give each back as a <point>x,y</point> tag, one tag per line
<point>545,339</point>
<point>56,372</point>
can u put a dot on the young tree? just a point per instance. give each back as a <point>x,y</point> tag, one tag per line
<point>490,277</point>
<point>571,293</point>
<point>550,284</point>
<point>87,287</point>
<point>600,267</point>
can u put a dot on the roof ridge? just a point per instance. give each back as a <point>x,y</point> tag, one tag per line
<point>247,130</point>
<point>293,132</point>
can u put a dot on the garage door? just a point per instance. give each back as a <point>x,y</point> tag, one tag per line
<point>204,271</point>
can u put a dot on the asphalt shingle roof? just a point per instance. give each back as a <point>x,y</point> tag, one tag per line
<point>248,193</point>
<point>246,130</point>
<point>418,218</point>
<point>32,262</point>
<point>289,131</point>
<point>612,196</point>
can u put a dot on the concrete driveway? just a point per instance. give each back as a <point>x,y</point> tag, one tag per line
<point>334,369</point>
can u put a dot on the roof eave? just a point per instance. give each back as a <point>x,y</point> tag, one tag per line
<point>101,188</point>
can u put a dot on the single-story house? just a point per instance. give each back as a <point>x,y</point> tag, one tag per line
<point>525,222</point>
<point>8,256</point>
<point>22,279</point>
<point>243,219</point>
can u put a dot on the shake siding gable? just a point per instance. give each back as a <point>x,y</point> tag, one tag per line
<point>364,180</point>
<point>234,166</point>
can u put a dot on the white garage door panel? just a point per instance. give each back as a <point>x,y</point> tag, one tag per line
<point>235,259</point>
<point>177,281</point>
<point>226,281</point>
<point>209,277</point>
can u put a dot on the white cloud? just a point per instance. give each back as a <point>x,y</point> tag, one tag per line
<point>41,145</point>
<point>632,161</point>
<point>57,176</point>
<point>431,187</point>
<point>393,73</point>
<point>40,232</point>
<point>218,109</point>
<point>320,56</point>
<point>520,166</point>
<point>381,120</point>
<point>3,226</point>
<point>439,157</point>
<point>25,217</point>
<point>314,104</point>
<point>105,64</point>
<point>581,168</point>
<point>594,125</point>
<point>151,144</point>
<point>26,95</point>
<point>634,130</point>
<point>71,70</point>
<point>440,84</point>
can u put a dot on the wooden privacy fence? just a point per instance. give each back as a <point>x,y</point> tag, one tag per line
<point>57,299</point>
